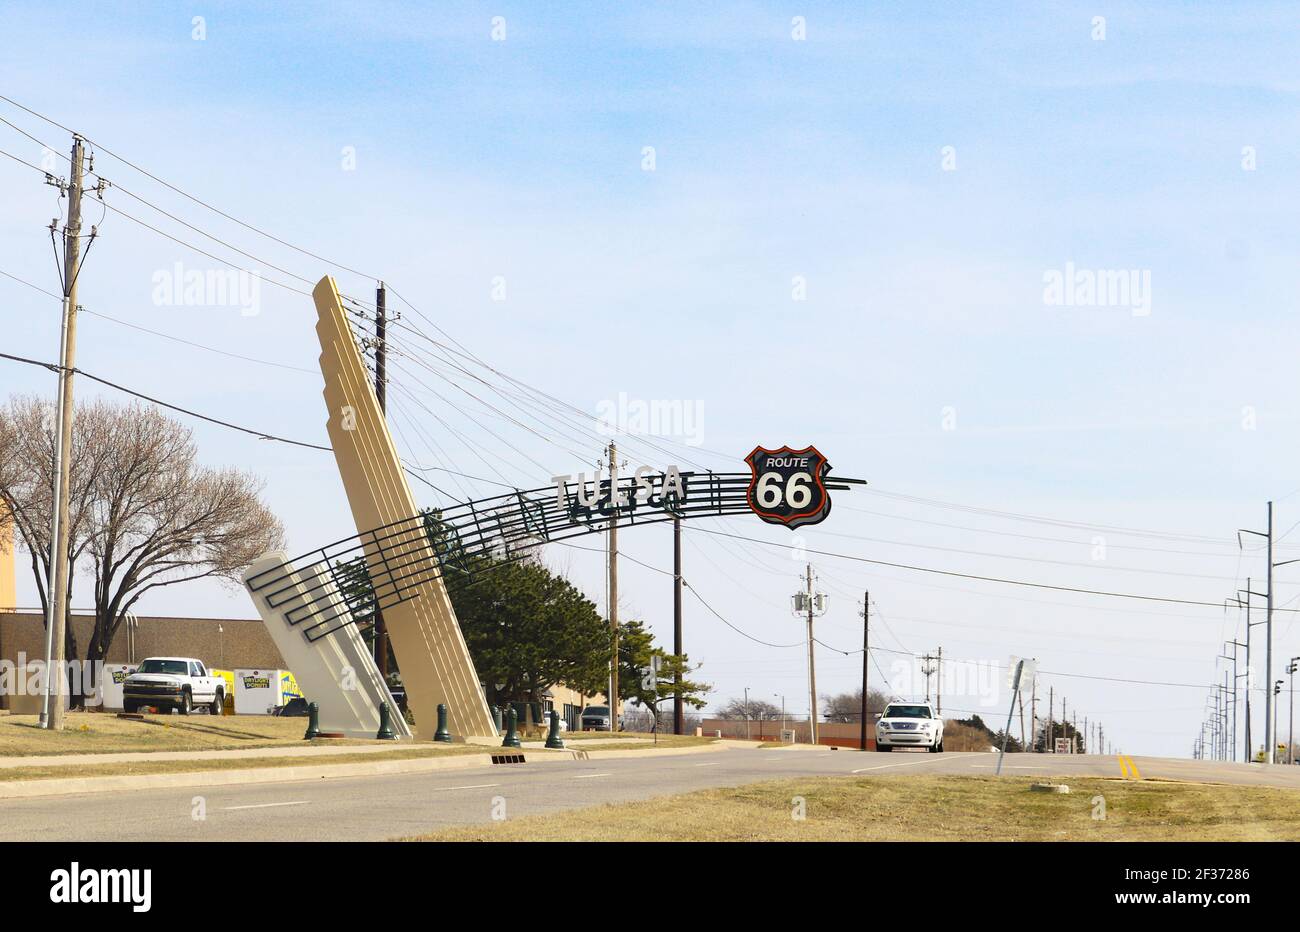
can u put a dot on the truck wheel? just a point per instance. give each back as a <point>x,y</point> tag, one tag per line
<point>185,704</point>
<point>940,747</point>
<point>884,747</point>
<point>128,707</point>
<point>217,704</point>
<point>933,748</point>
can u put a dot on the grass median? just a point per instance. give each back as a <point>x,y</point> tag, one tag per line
<point>923,808</point>
<point>105,733</point>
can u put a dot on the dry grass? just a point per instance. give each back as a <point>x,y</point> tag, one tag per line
<point>915,808</point>
<point>105,733</point>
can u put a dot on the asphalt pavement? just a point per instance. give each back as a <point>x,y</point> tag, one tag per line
<point>383,807</point>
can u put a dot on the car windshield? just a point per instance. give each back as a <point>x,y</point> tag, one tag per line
<point>597,710</point>
<point>907,711</point>
<point>164,666</point>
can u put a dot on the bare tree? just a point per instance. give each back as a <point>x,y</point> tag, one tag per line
<point>145,513</point>
<point>27,440</point>
<point>755,710</point>
<point>847,707</point>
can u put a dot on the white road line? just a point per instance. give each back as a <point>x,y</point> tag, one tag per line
<point>471,786</point>
<point>1008,767</point>
<point>711,763</point>
<point>301,802</point>
<point>588,776</point>
<point>910,763</point>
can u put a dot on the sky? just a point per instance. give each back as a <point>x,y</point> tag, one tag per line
<point>835,224</point>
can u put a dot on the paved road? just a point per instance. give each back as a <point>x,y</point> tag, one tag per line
<point>345,809</point>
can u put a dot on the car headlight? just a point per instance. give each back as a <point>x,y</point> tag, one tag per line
<point>883,726</point>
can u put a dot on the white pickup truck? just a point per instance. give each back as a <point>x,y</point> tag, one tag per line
<point>167,683</point>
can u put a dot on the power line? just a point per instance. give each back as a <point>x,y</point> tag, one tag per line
<point>995,579</point>
<point>164,404</point>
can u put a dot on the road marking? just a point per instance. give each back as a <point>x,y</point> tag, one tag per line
<point>471,786</point>
<point>588,776</point>
<point>301,802</point>
<point>910,763</point>
<point>1008,767</point>
<point>712,763</point>
<point>1128,769</point>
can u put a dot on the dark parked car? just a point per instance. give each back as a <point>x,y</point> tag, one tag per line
<point>295,706</point>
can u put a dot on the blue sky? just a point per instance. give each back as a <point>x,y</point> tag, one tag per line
<point>774,158</point>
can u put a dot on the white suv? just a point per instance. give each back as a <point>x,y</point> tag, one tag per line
<point>909,725</point>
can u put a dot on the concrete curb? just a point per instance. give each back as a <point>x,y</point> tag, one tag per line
<point>62,786</point>
<point>65,786</point>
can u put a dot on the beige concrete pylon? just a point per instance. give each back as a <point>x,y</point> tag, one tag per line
<point>424,633</point>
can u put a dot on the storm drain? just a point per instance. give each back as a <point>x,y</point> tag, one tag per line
<point>508,759</point>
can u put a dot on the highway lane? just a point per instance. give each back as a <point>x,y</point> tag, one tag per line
<point>382,807</point>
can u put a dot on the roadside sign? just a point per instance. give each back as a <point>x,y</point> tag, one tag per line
<point>650,674</point>
<point>787,486</point>
<point>1028,670</point>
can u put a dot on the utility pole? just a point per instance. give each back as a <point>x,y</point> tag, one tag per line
<point>1250,669</point>
<point>613,584</point>
<point>1236,698</point>
<point>927,668</point>
<point>938,689</point>
<point>866,647</point>
<point>1051,725</point>
<point>381,393</point>
<point>679,722</point>
<point>812,668</point>
<point>1270,734</point>
<point>1033,712</point>
<point>57,589</point>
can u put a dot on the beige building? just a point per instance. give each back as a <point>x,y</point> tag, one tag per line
<point>221,643</point>
<point>8,570</point>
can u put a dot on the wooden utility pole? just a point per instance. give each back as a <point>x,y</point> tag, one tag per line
<point>679,721</point>
<point>381,393</point>
<point>613,586</point>
<point>1033,712</point>
<point>938,686</point>
<point>1051,724</point>
<point>58,591</point>
<point>866,649</point>
<point>812,668</point>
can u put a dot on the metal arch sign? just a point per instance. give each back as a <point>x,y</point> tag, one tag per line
<point>788,486</point>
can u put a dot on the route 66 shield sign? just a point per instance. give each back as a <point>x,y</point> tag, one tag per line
<point>788,486</point>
